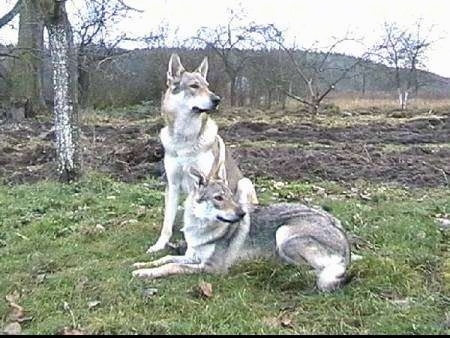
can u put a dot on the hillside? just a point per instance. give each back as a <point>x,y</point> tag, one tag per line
<point>132,76</point>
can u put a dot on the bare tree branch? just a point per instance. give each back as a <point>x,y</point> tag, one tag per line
<point>310,66</point>
<point>129,8</point>
<point>9,55</point>
<point>11,14</point>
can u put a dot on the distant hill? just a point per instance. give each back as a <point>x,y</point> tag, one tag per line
<point>380,77</point>
<point>133,76</point>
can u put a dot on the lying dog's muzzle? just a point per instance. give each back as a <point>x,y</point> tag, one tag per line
<point>239,216</point>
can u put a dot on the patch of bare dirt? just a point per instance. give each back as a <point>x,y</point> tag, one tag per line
<point>413,167</point>
<point>425,130</point>
<point>132,151</point>
<point>128,153</point>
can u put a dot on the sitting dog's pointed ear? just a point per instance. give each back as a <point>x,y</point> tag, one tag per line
<point>197,176</point>
<point>203,68</point>
<point>175,68</point>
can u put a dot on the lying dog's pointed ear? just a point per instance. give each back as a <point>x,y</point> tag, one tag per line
<point>203,68</point>
<point>218,172</point>
<point>175,68</point>
<point>198,176</point>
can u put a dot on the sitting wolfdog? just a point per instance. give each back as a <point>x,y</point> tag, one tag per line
<point>190,138</point>
<point>217,237</point>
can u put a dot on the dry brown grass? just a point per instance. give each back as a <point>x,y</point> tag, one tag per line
<point>346,103</point>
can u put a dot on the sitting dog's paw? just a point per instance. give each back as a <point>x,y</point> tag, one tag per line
<point>160,245</point>
<point>143,273</point>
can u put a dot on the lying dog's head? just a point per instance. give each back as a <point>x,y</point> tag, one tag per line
<point>212,199</point>
<point>188,92</point>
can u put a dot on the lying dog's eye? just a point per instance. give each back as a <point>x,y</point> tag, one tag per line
<point>218,198</point>
<point>195,86</point>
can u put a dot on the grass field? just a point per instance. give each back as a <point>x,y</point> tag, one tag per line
<point>66,252</point>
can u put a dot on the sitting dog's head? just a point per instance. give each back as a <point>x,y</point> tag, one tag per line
<point>212,199</point>
<point>188,92</point>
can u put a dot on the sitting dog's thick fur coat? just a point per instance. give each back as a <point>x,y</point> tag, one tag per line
<point>190,138</point>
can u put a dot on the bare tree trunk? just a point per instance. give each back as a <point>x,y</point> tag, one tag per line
<point>403,98</point>
<point>233,92</point>
<point>65,92</point>
<point>269,98</point>
<point>83,81</point>
<point>314,107</point>
<point>363,89</point>
<point>27,72</point>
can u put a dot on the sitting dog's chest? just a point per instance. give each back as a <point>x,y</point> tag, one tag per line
<point>181,154</point>
<point>176,166</point>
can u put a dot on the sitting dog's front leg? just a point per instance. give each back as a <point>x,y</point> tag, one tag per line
<point>170,211</point>
<point>168,270</point>
<point>165,260</point>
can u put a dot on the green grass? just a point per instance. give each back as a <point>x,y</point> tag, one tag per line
<point>52,252</point>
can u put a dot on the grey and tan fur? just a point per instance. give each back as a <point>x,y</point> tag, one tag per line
<point>217,237</point>
<point>190,138</point>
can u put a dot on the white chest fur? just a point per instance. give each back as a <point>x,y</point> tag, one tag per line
<point>182,151</point>
<point>176,167</point>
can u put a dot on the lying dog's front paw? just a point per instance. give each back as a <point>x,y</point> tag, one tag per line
<point>143,273</point>
<point>140,265</point>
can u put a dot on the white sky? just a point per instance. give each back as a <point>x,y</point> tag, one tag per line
<point>305,20</point>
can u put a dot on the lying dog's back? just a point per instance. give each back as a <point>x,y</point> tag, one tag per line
<point>310,222</point>
<point>313,225</point>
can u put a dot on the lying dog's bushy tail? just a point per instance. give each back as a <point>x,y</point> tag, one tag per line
<point>332,277</point>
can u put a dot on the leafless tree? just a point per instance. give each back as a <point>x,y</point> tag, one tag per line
<point>404,50</point>
<point>27,71</point>
<point>268,72</point>
<point>416,45</point>
<point>95,44</point>
<point>231,43</point>
<point>313,67</point>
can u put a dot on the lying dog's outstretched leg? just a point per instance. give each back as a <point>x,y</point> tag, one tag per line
<point>246,194</point>
<point>170,211</point>
<point>168,270</point>
<point>165,260</point>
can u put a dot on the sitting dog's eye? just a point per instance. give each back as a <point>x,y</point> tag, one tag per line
<point>218,198</point>
<point>195,86</point>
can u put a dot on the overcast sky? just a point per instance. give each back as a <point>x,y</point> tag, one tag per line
<point>305,20</point>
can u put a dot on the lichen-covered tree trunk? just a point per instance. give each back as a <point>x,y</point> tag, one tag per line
<point>65,92</point>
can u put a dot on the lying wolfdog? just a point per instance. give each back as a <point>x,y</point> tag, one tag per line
<point>217,237</point>
<point>190,138</point>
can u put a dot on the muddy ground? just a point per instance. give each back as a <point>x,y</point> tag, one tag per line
<point>409,151</point>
